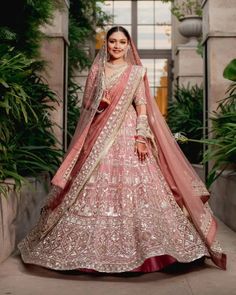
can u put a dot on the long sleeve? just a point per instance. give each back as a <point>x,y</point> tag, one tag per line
<point>140,97</point>
<point>140,105</point>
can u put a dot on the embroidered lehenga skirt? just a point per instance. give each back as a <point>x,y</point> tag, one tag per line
<point>124,219</point>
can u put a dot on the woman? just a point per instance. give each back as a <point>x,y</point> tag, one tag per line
<point>125,198</point>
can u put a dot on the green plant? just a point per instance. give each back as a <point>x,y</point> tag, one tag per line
<point>222,140</point>
<point>21,21</point>
<point>185,115</point>
<point>230,72</point>
<point>222,145</point>
<point>181,9</point>
<point>27,144</point>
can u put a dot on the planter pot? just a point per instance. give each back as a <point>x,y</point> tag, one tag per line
<point>191,27</point>
<point>223,198</point>
<point>19,212</point>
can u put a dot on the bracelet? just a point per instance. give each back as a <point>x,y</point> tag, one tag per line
<point>142,141</point>
<point>142,126</point>
<point>100,111</point>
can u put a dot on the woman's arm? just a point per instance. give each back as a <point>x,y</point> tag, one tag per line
<point>141,124</point>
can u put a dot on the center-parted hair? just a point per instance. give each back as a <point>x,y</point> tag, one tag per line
<point>118,29</point>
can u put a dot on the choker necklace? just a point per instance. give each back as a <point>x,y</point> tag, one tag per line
<point>115,66</point>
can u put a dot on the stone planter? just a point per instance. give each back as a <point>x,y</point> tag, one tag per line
<point>223,198</point>
<point>19,212</point>
<point>191,28</point>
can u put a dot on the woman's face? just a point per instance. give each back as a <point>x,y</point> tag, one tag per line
<point>117,45</point>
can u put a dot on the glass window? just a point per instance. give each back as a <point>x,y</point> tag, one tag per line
<point>122,12</point>
<point>163,37</point>
<point>145,12</point>
<point>146,37</point>
<point>162,13</point>
<point>161,72</point>
<point>107,7</point>
<point>150,65</point>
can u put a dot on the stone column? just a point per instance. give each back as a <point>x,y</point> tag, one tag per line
<point>54,50</point>
<point>188,64</point>
<point>219,39</point>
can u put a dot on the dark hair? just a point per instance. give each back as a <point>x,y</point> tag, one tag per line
<point>118,29</point>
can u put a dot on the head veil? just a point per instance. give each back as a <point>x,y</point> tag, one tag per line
<point>188,189</point>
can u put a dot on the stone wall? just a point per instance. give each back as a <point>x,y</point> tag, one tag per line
<point>219,39</point>
<point>54,51</point>
<point>188,64</point>
<point>19,212</point>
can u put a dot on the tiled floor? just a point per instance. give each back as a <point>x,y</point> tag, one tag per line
<point>18,279</point>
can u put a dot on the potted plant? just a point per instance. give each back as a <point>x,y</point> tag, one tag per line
<point>185,115</point>
<point>222,143</point>
<point>189,13</point>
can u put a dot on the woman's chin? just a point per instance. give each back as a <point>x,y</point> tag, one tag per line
<point>116,56</point>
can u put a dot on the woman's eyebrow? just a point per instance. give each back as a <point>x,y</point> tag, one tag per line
<point>113,39</point>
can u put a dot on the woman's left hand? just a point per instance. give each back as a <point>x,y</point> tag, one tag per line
<point>141,150</point>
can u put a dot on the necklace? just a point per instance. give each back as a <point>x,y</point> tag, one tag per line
<point>115,66</point>
<point>106,99</point>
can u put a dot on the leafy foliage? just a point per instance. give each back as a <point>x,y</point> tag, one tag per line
<point>20,23</point>
<point>230,71</point>
<point>27,143</point>
<point>181,8</point>
<point>222,140</point>
<point>185,115</point>
<point>222,145</point>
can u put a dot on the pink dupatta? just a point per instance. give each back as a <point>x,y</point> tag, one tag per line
<point>187,187</point>
<point>87,139</point>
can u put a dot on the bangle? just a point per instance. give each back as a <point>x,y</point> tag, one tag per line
<point>142,141</point>
<point>142,126</point>
<point>100,111</point>
<point>140,137</point>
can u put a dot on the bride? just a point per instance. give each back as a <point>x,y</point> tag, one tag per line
<point>125,198</point>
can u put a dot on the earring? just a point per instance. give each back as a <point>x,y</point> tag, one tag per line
<point>126,52</point>
<point>108,56</point>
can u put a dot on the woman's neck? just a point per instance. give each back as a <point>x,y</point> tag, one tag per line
<point>117,61</point>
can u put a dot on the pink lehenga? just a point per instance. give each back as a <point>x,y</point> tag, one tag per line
<point>108,211</point>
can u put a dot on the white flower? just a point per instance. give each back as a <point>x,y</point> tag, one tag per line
<point>180,137</point>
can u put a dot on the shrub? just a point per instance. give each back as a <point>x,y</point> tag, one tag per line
<point>185,115</point>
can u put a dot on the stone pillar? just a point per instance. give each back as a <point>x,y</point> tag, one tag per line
<point>219,39</point>
<point>54,50</point>
<point>188,64</point>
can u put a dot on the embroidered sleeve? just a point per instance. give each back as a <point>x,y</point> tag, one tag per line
<point>140,97</point>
